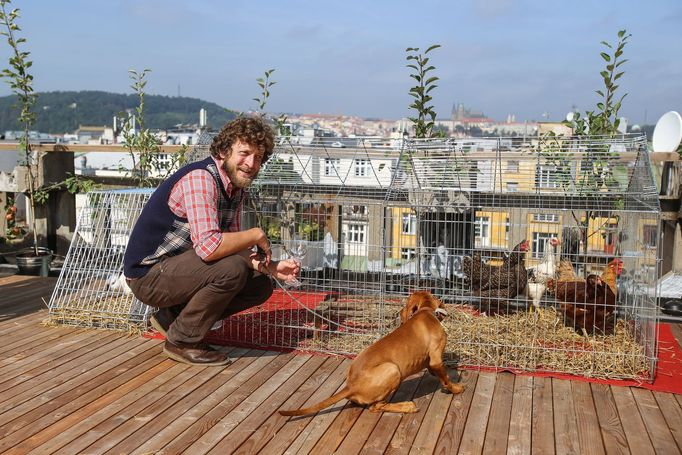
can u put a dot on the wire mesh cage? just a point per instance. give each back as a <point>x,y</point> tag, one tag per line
<point>543,249</point>
<point>91,290</point>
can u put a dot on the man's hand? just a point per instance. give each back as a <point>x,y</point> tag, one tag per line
<point>285,270</point>
<point>261,251</point>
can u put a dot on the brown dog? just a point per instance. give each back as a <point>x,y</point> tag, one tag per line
<point>378,370</point>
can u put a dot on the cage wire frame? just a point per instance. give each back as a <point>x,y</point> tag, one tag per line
<point>91,290</point>
<point>382,217</point>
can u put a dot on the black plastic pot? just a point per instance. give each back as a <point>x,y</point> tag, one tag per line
<point>30,264</point>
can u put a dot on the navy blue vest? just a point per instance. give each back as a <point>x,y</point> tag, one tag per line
<point>158,232</point>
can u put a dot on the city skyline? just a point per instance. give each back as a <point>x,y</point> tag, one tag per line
<point>530,59</point>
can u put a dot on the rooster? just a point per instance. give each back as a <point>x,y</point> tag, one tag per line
<point>543,271</point>
<point>588,305</point>
<point>497,284</point>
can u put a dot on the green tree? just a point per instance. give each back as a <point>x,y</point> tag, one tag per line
<point>425,114</point>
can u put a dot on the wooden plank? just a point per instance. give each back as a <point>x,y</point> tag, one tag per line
<point>497,432</point>
<point>29,387</point>
<point>53,358</point>
<point>542,433</point>
<point>294,427</point>
<point>676,330</point>
<point>565,422</point>
<point>427,435</point>
<point>404,435</point>
<point>633,425</point>
<point>117,425</point>
<point>157,433</point>
<point>451,435</point>
<point>84,412</point>
<point>177,372</point>
<point>359,432</point>
<point>609,421</point>
<point>240,387</point>
<point>152,406</point>
<point>519,440</point>
<point>672,412</point>
<point>589,434</point>
<point>52,406</point>
<point>473,436</point>
<point>659,433</point>
<point>276,425</point>
<point>257,418</point>
<point>383,431</point>
<point>247,405</point>
<point>33,345</point>
<point>335,432</point>
<point>8,325</point>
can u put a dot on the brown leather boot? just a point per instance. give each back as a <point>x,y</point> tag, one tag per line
<point>164,317</point>
<point>195,354</point>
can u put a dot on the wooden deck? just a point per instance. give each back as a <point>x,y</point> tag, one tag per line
<point>67,390</point>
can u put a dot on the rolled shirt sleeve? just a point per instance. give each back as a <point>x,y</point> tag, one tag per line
<point>195,197</point>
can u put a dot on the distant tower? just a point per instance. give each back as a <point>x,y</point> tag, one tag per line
<point>202,118</point>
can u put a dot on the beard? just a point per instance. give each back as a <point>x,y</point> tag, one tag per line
<point>241,178</point>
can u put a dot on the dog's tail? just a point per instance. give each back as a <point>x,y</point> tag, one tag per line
<point>343,393</point>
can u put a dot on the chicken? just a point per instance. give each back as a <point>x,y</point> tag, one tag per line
<point>475,269</point>
<point>613,270</point>
<point>503,282</point>
<point>588,306</point>
<point>566,271</point>
<point>611,274</point>
<point>117,282</point>
<point>543,271</point>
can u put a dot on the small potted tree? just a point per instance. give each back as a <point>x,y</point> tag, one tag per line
<point>35,260</point>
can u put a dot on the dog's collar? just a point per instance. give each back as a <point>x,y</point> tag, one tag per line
<point>438,312</point>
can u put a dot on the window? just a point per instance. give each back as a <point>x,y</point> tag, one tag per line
<point>512,187</point>
<point>407,253</point>
<point>546,217</point>
<point>361,168</point>
<point>545,177</point>
<point>409,224</point>
<point>512,166</point>
<point>649,235</point>
<point>331,166</point>
<point>482,231</point>
<point>540,240</point>
<point>356,233</point>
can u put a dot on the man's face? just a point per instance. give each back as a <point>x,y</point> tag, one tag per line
<point>242,163</point>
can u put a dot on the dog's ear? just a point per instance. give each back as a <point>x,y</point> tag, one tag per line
<point>411,306</point>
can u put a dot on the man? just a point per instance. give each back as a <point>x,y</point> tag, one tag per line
<point>187,255</point>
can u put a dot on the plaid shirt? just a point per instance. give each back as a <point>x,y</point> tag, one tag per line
<point>195,197</point>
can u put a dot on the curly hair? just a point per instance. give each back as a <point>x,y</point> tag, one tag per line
<point>252,130</point>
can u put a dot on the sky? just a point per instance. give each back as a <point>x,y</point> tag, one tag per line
<point>535,59</point>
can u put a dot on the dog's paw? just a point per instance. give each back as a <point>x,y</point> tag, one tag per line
<point>456,388</point>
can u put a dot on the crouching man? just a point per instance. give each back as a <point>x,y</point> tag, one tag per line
<point>187,255</point>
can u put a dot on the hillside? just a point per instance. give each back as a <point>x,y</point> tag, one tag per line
<point>57,113</point>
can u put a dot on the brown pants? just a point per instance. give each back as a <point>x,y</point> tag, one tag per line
<point>209,291</point>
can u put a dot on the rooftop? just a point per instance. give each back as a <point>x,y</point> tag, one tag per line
<point>75,391</point>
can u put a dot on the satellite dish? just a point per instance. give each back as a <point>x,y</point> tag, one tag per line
<point>667,133</point>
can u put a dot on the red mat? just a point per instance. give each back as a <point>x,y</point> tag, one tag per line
<point>668,372</point>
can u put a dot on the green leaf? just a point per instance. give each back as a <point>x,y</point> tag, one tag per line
<point>604,74</point>
<point>606,56</point>
<point>435,46</point>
